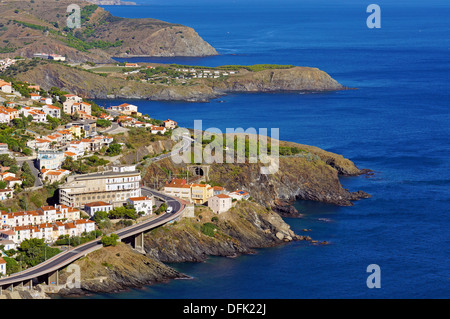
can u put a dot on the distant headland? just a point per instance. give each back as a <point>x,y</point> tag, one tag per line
<point>112,2</point>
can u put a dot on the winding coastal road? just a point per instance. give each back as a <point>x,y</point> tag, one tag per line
<point>67,257</point>
<point>187,141</point>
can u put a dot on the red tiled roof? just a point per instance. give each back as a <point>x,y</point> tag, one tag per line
<point>96,204</point>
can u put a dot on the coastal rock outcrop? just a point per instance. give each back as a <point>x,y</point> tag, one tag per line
<point>240,230</point>
<point>114,269</point>
<point>279,80</point>
<point>298,177</point>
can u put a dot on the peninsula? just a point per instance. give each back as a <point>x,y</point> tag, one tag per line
<point>152,81</point>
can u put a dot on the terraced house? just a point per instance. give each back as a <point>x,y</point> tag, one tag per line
<point>47,222</point>
<point>193,193</point>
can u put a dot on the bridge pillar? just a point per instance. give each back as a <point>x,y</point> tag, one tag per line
<point>139,243</point>
<point>9,287</point>
<point>29,284</point>
<point>53,278</point>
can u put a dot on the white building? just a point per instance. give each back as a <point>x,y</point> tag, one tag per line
<point>8,244</point>
<point>52,110</point>
<point>158,129</point>
<point>71,107</point>
<point>54,175</point>
<point>39,143</point>
<point>5,87</point>
<point>38,114</point>
<point>92,208</point>
<point>2,266</point>
<point>73,97</point>
<point>239,195</point>
<point>126,108</point>
<point>35,96</point>
<point>142,204</point>
<point>50,159</point>
<point>6,194</point>
<point>220,203</point>
<point>113,186</point>
<point>84,226</point>
<point>4,148</point>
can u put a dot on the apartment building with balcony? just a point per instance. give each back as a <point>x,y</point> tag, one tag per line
<point>114,186</point>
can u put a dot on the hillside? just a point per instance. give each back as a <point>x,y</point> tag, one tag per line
<point>29,27</point>
<point>89,84</point>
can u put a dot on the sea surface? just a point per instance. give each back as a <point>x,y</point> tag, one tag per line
<point>396,123</point>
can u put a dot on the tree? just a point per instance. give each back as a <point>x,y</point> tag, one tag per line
<point>27,176</point>
<point>23,203</point>
<point>53,122</point>
<point>100,216</point>
<point>12,265</point>
<point>103,123</point>
<point>114,149</point>
<point>109,240</point>
<point>123,212</point>
<point>5,160</point>
<point>34,251</point>
<point>76,116</point>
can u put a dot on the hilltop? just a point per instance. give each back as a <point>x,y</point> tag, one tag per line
<point>29,27</point>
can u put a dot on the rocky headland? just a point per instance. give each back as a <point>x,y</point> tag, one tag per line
<point>96,86</point>
<point>40,26</point>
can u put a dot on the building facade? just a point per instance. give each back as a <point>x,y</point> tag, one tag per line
<point>220,203</point>
<point>142,204</point>
<point>114,186</point>
<point>92,208</point>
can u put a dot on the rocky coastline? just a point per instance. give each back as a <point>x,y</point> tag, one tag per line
<point>246,227</point>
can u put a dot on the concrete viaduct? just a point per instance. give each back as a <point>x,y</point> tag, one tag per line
<point>48,271</point>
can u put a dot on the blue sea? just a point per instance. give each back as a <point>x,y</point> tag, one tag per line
<point>396,123</point>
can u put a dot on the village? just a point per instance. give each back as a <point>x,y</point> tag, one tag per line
<point>162,74</point>
<point>75,131</point>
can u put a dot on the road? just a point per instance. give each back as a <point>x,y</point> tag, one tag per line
<point>67,257</point>
<point>114,129</point>
<point>187,141</point>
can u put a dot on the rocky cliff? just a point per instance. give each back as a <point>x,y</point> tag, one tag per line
<point>310,175</point>
<point>276,80</point>
<point>114,269</point>
<point>242,229</point>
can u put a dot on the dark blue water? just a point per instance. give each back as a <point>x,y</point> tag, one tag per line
<point>396,123</point>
